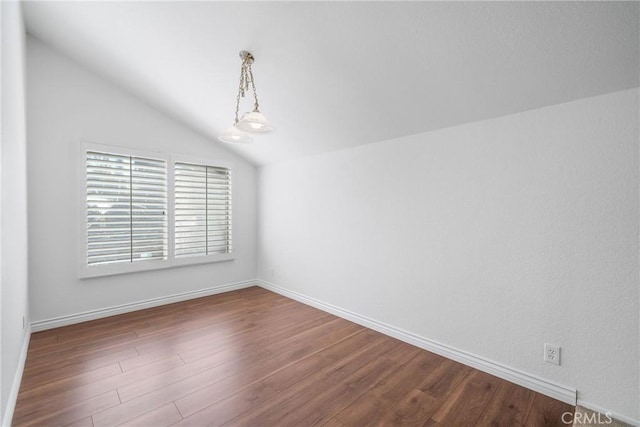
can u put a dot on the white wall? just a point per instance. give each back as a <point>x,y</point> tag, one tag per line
<point>491,237</point>
<point>13,200</point>
<point>69,105</point>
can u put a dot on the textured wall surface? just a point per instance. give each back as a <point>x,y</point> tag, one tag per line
<point>492,237</point>
<point>13,235</point>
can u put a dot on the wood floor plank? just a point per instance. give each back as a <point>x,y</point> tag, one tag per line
<point>95,388</point>
<point>270,391</point>
<point>333,399</point>
<point>270,411</point>
<point>442,380</point>
<point>68,414</point>
<point>230,361</point>
<point>258,392</point>
<point>42,340</point>
<point>332,422</point>
<point>254,358</point>
<point>370,407</point>
<point>163,416</point>
<point>467,402</point>
<point>509,406</point>
<point>81,353</point>
<point>40,390</point>
<point>198,343</point>
<point>69,368</point>
<point>414,409</point>
<point>403,352</point>
<point>221,329</point>
<point>215,332</point>
<point>294,363</point>
<point>83,422</point>
<point>253,339</point>
<point>547,412</point>
<point>204,318</point>
<point>230,376</point>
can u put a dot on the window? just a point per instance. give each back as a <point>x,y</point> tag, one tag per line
<point>126,206</point>
<point>146,211</point>
<point>202,210</point>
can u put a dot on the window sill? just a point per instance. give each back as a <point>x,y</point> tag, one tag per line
<point>87,272</point>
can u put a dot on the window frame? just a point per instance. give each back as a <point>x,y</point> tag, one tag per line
<point>88,271</point>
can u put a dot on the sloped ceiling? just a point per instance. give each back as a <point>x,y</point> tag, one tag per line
<point>332,75</point>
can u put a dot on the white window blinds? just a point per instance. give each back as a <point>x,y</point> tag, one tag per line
<point>126,208</point>
<point>202,210</point>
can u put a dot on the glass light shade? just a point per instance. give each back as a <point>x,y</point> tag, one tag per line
<point>255,122</point>
<point>233,135</point>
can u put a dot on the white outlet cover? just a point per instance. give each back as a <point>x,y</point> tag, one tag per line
<point>552,354</point>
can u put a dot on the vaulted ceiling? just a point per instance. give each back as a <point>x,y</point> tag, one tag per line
<point>332,75</point>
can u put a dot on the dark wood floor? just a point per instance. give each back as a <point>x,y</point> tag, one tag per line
<point>254,358</point>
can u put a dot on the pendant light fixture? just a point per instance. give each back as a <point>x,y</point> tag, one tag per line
<point>253,122</point>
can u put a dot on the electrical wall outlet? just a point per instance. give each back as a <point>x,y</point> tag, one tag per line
<point>552,354</point>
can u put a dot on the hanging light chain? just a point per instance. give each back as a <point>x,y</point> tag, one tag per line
<point>246,78</point>
<point>241,88</point>
<point>256,105</point>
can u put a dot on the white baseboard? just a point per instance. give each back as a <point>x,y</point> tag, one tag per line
<point>531,382</point>
<point>616,416</point>
<point>17,379</point>
<point>57,322</point>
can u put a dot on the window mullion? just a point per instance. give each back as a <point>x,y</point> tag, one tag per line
<point>206,210</point>
<point>131,206</point>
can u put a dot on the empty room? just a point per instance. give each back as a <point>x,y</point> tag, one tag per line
<point>322,213</point>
